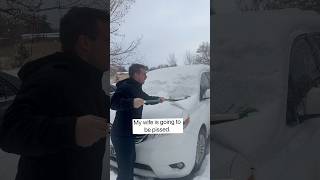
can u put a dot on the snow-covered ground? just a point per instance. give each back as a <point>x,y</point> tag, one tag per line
<point>9,162</point>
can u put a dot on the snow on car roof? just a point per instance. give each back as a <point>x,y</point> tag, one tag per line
<point>268,26</point>
<point>177,81</point>
<point>251,52</point>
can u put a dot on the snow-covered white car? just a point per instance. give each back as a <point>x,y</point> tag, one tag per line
<point>267,60</point>
<point>174,155</point>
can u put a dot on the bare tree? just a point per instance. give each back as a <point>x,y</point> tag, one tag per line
<point>172,60</point>
<point>120,53</point>
<point>118,10</point>
<point>29,16</point>
<point>26,16</point>
<point>27,9</point>
<point>189,58</point>
<point>203,53</point>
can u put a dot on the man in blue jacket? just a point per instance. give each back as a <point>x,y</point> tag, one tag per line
<point>128,101</point>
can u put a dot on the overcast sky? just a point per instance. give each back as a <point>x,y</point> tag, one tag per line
<point>167,26</point>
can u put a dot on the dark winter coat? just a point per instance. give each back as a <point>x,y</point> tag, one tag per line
<point>122,102</point>
<point>40,124</point>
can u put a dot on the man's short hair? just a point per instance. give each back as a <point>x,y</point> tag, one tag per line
<point>80,21</point>
<point>135,68</point>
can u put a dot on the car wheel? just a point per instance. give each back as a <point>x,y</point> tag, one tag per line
<point>201,149</point>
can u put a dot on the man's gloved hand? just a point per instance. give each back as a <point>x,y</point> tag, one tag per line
<point>137,102</point>
<point>89,129</point>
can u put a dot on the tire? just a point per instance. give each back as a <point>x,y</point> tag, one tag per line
<point>201,149</point>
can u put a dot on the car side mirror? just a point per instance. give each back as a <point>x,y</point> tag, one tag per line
<point>206,95</point>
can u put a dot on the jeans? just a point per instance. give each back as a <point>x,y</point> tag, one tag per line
<point>126,156</point>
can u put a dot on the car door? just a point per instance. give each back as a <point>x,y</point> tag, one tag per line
<point>201,113</point>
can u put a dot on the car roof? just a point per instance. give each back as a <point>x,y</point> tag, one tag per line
<point>272,26</point>
<point>184,69</point>
<point>251,54</point>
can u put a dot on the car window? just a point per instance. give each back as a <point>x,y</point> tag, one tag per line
<point>204,83</point>
<point>304,73</point>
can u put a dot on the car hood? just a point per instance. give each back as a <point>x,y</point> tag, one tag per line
<point>167,109</point>
<point>158,111</point>
<point>176,109</point>
<point>162,110</point>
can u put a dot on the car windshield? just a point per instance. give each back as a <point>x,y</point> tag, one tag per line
<point>174,82</point>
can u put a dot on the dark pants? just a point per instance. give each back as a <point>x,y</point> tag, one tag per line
<point>126,156</point>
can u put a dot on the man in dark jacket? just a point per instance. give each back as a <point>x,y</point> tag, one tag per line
<point>128,101</point>
<point>58,120</point>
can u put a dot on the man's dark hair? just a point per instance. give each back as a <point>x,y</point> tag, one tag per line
<point>135,68</point>
<point>80,21</point>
